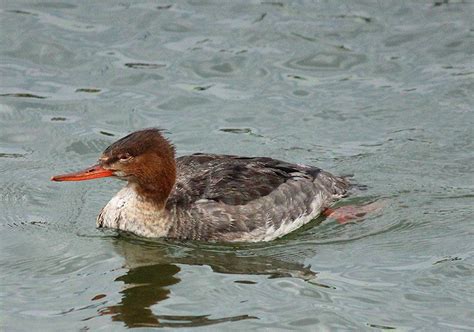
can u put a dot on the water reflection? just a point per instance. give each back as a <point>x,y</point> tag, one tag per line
<point>154,267</point>
<point>144,286</point>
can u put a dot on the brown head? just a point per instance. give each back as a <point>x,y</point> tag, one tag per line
<point>144,158</point>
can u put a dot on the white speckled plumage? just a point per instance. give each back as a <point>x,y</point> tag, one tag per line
<point>129,212</point>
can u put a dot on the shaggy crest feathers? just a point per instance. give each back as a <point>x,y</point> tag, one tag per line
<point>140,142</point>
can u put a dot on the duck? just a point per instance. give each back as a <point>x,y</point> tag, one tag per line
<point>207,197</point>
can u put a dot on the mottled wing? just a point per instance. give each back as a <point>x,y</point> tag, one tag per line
<point>232,180</point>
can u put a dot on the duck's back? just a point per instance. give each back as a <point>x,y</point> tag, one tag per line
<point>231,198</point>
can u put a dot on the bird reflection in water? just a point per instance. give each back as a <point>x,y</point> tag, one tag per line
<point>152,270</point>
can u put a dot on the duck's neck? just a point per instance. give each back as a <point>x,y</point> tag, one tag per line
<point>156,184</point>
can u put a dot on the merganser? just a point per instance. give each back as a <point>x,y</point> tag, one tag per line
<point>207,197</point>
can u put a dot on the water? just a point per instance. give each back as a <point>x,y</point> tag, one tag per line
<point>381,90</point>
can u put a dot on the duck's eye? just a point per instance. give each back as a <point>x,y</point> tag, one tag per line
<point>124,157</point>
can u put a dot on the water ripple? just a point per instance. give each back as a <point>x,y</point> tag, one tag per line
<point>326,61</point>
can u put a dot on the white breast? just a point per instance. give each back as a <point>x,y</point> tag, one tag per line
<point>128,211</point>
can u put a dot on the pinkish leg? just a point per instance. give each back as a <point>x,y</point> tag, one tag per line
<point>345,214</point>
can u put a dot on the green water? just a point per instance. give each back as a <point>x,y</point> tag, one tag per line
<point>380,90</point>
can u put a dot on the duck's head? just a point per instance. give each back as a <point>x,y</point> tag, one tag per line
<point>144,158</point>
